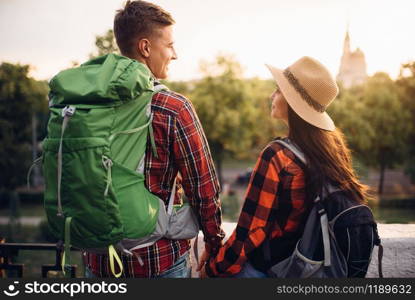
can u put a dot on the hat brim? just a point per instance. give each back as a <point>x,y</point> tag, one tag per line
<point>300,106</point>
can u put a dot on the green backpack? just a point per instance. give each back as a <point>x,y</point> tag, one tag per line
<point>95,195</point>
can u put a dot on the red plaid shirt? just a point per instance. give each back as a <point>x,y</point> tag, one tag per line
<point>275,208</point>
<point>181,147</point>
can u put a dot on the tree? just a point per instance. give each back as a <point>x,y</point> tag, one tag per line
<point>224,108</point>
<point>375,122</point>
<point>389,119</point>
<point>21,98</point>
<point>406,84</point>
<point>259,92</point>
<point>105,44</point>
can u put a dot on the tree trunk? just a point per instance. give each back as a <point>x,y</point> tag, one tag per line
<point>217,153</point>
<point>381,178</point>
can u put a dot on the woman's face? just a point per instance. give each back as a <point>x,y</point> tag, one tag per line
<point>279,106</point>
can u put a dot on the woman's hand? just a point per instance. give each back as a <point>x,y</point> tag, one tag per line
<point>203,259</point>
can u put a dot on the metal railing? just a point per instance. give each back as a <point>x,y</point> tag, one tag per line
<point>10,250</point>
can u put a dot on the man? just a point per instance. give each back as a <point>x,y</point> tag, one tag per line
<point>144,32</point>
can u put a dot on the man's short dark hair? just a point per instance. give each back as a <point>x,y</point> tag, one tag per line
<point>138,19</point>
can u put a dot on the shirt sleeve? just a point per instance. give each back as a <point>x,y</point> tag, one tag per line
<point>199,179</point>
<point>252,226</point>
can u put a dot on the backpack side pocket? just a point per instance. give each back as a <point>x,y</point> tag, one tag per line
<point>95,216</point>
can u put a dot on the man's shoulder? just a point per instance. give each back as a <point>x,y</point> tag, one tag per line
<point>169,102</point>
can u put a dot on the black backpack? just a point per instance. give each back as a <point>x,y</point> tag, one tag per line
<point>338,238</point>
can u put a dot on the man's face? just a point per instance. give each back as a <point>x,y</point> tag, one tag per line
<point>161,52</point>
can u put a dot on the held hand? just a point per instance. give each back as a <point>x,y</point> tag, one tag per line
<point>202,273</point>
<point>203,259</point>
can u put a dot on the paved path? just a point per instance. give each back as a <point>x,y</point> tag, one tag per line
<point>398,241</point>
<point>28,221</point>
<point>399,250</point>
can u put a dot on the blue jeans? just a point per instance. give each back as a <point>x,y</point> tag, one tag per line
<point>180,269</point>
<point>248,271</point>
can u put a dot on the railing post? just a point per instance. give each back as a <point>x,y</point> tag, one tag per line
<point>2,274</point>
<point>8,250</point>
<point>57,266</point>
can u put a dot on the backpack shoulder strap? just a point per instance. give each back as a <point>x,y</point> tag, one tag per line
<point>294,149</point>
<point>158,87</point>
<point>298,153</point>
<point>328,188</point>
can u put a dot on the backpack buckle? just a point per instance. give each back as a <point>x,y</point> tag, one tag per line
<point>68,111</point>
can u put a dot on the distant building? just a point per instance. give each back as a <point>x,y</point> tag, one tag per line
<point>353,65</point>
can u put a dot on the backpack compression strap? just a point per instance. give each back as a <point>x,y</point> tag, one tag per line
<point>67,113</point>
<point>66,255</point>
<point>171,200</point>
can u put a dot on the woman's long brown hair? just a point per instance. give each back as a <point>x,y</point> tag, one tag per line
<point>328,158</point>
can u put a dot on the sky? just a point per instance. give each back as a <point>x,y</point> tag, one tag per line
<point>50,34</point>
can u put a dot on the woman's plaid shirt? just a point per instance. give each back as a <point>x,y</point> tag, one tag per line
<point>274,203</point>
<point>181,146</point>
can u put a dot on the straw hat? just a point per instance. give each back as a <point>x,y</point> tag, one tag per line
<point>309,89</point>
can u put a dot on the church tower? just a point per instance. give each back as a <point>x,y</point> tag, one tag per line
<point>352,66</point>
<point>346,45</point>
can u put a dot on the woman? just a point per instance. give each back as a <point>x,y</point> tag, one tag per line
<point>282,188</point>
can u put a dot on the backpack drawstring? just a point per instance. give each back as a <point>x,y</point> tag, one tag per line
<point>107,162</point>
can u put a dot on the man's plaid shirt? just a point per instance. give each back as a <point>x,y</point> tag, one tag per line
<point>181,147</point>
<point>275,208</point>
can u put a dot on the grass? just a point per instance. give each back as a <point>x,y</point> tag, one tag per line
<point>391,215</point>
<point>238,164</point>
<point>401,202</point>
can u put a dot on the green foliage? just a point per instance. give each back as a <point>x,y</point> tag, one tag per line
<point>21,98</point>
<point>230,206</point>
<point>234,111</point>
<point>406,84</point>
<point>389,120</point>
<point>181,87</point>
<point>223,105</point>
<point>105,44</point>
<point>375,121</point>
<point>266,127</point>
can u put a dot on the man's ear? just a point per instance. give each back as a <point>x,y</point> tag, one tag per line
<point>144,47</point>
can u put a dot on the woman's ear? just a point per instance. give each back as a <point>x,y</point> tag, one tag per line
<point>144,47</point>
